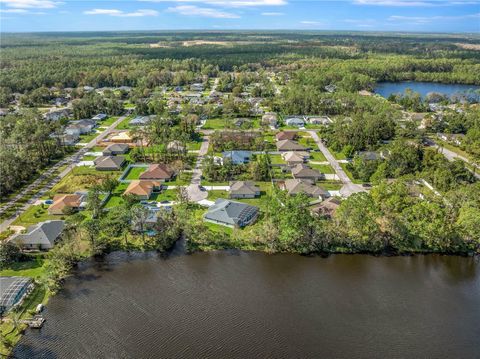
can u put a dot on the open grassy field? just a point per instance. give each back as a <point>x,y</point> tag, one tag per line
<point>33,215</point>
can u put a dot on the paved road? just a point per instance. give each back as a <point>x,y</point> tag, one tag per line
<point>194,192</point>
<point>348,186</point>
<point>451,156</point>
<point>71,160</point>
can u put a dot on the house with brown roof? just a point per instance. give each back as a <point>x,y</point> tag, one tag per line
<point>295,157</point>
<point>63,203</point>
<point>158,172</point>
<point>296,186</point>
<point>289,145</point>
<point>302,171</point>
<point>327,208</point>
<point>286,135</point>
<point>143,189</point>
<point>244,189</point>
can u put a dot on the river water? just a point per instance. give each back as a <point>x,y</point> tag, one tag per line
<point>386,89</point>
<point>253,305</point>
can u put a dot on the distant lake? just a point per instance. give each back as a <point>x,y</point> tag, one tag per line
<point>386,89</point>
<point>253,305</point>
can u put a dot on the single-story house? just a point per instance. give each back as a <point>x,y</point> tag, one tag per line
<point>12,291</point>
<point>270,119</point>
<point>40,236</point>
<point>67,202</point>
<point>286,135</point>
<point>55,115</point>
<point>319,120</point>
<point>80,127</point>
<point>244,189</point>
<point>69,140</point>
<point>121,137</point>
<point>295,121</point>
<point>197,87</point>
<point>302,171</point>
<point>116,149</point>
<point>369,155</point>
<point>326,208</point>
<point>143,189</point>
<point>289,145</point>
<point>100,117</point>
<point>231,213</point>
<point>109,163</point>
<point>140,121</point>
<point>296,186</point>
<point>237,157</point>
<point>175,146</point>
<point>295,157</point>
<point>157,172</point>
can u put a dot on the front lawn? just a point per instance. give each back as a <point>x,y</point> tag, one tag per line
<point>323,168</point>
<point>134,173</point>
<point>317,156</point>
<point>34,215</point>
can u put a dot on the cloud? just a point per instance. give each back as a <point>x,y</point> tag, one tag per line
<point>427,19</point>
<point>192,10</point>
<point>31,4</point>
<point>120,13</point>
<point>412,3</point>
<point>22,12</point>
<point>272,14</point>
<point>228,3</point>
<point>308,22</point>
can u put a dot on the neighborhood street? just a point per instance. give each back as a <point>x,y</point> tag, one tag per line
<point>195,194</point>
<point>450,155</point>
<point>349,187</point>
<point>71,161</point>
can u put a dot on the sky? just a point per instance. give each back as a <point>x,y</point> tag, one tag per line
<point>357,15</point>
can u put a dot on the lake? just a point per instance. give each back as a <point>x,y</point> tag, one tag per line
<point>253,305</point>
<point>385,89</point>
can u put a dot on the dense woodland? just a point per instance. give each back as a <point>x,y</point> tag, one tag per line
<point>36,68</point>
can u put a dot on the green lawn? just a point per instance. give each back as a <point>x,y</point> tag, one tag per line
<point>323,168</point>
<point>337,155</point>
<point>134,173</point>
<point>33,268</point>
<point>109,121</point>
<point>217,123</point>
<point>124,125</point>
<point>33,215</point>
<point>349,174</point>
<point>307,142</point>
<point>88,137</point>
<point>89,158</point>
<point>317,156</point>
<point>330,185</point>
<point>277,159</point>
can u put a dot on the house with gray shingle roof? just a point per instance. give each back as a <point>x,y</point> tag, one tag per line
<point>40,236</point>
<point>109,163</point>
<point>237,157</point>
<point>296,186</point>
<point>244,189</point>
<point>231,213</point>
<point>116,149</point>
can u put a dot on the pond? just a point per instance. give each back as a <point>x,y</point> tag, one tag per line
<point>246,305</point>
<point>386,89</point>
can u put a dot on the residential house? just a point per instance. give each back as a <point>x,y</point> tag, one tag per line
<point>60,101</point>
<point>69,140</point>
<point>143,189</point>
<point>296,186</point>
<point>319,120</point>
<point>286,135</point>
<point>116,149</point>
<point>140,121</point>
<point>327,208</point>
<point>80,127</point>
<point>40,236</point>
<point>55,115</point>
<point>369,155</point>
<point>295,121</point>
<point>270,119</point>
<point>302,171</point>
<point>121,137</point>
<point>158,172</point>
<point>175,146</point>
<point>289,145</point>
<point>197,87</point>
<point>244,189</point>
<point>109,163</point>
<point>237,157</point>
<point>64,203</point>
<point>231,213</point>
<point>330,88</point>
<point>295,157</point>
<point>100,117</point>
